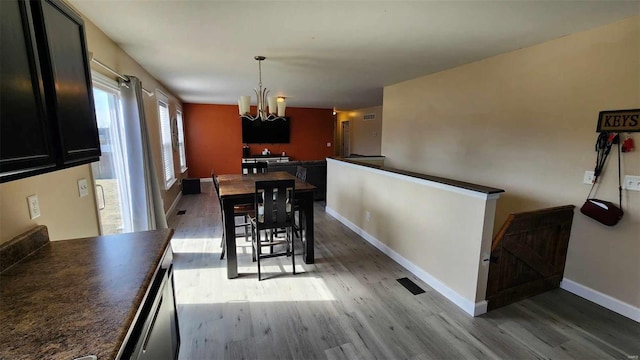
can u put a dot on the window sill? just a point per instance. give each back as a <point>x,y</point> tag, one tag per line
<point>182,171</point>
<point>170,184</point>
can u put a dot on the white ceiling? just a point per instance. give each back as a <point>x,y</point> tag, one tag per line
<point>326,54</point>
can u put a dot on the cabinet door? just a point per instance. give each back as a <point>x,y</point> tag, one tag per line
<point>25,139</point>
<point>69,81</point>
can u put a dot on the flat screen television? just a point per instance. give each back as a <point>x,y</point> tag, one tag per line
<point>265,132</point>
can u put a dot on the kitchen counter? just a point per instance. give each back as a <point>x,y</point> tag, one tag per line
<point>77,297</point>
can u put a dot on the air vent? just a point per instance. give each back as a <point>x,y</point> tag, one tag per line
<point>369,116</point>
<point>410,285</point>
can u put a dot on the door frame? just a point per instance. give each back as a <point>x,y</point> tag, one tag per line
<point>345,141</point>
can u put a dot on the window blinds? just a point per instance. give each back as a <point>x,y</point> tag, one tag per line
<point>167,153</point>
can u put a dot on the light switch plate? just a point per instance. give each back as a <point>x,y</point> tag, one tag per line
<point>328,144</point>
<point>632,182</point>
<point>34,206</point>
<point>83,187</point>
<point>588,177</point>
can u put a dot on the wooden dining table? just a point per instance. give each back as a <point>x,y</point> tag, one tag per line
<point>238,189</point>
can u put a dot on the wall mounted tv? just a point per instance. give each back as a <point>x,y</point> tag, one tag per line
<point>265,132</point>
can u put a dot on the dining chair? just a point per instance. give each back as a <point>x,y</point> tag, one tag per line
<point>259,167</point>
<point>301,173</point>
<point>273,211</point>
<point>245,210</point>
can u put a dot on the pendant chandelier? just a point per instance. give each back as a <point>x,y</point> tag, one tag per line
<point>277,105</point>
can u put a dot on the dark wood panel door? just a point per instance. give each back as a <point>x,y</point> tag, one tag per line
<point>528,255</point>
<point>69,82</point>
<point>25,139</point>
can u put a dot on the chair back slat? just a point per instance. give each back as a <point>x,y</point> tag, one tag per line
<point>274,197</point>
<point>259,167</point>
<point>301,173</point>
<point>215,183</point>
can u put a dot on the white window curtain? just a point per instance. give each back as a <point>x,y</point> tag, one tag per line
<point>116,144</point>
<point>183,154</point>
<point>165,134</point>
<point>146,199</point>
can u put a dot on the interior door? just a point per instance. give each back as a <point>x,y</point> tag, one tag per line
<point>528,255</point>
<point>110,173</point>
<point>345,148</point>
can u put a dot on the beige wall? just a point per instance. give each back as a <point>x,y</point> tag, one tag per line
<point>365,134</point>
<point>63,211</point>
<point>525,122</point>
<point>420,221</point>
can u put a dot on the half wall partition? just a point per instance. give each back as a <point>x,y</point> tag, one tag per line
<point>439,229</point>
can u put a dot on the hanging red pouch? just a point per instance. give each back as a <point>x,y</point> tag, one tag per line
<point>602,211</point>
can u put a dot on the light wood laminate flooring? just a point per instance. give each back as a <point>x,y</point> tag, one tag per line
<point>348,305</point>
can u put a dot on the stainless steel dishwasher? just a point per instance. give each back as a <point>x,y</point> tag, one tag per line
<point>155,334</point>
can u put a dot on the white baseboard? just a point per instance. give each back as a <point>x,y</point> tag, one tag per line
<point>203,180</point>
<point>173,206</point>
<point>480,308</point>
<point>601,299</point>
<point>473,309</point>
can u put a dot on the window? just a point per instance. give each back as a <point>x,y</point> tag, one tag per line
<point>183,155</point>
<point>165,134</point>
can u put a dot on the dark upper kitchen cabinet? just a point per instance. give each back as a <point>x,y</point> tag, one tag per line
<point>24,127</point>
<point>69,77</point>
<point>47,112</point>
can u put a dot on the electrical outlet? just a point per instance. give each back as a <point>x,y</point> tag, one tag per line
<point>34,206</point>
<point>328,144</point>
<point>83,187</point>
<point>632,183</point>
<point>589,177</point>
<point>368,215</point>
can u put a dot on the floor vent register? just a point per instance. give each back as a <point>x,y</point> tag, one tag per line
<point>410,285</point>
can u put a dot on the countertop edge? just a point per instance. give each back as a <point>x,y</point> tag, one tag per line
<point>451,182</point>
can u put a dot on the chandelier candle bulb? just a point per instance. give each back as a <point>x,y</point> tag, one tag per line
<point>245,104</point>
<point>281,107</point>
<point>272,105</point>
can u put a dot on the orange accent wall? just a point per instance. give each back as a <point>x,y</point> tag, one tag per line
<point>213,136</point>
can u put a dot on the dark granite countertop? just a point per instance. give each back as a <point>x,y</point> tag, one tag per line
<point>441,180</point>
<point>77,297</point>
